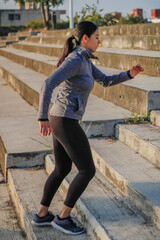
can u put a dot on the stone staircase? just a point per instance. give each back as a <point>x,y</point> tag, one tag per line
<point>123,199</point>
<point>15,37</point>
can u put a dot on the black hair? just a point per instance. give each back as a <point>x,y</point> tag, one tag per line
<point>84,27</point>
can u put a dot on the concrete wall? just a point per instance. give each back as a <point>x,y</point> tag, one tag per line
<point>25,16</point>
<point>132,29</point>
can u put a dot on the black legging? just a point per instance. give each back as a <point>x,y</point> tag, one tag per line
<point>70,145</point>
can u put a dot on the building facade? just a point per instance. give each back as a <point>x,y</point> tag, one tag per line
<point>24,13</point>
<point>155,15</point>
<point>138,12</point>
<point>18,18</point>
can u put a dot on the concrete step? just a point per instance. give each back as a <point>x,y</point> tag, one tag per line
<point>131,29</point>
<point>136,178</point>
<point>2,44</point>
<point>13,38</point>
<point>143,139</point>
<point>23,34</point>
<point>137,95</point>
<point>146,42</point>
<point>26,187</point>
<point>46,40</point>
<point>10,227</point>
<point>109,57</point>
<point>107,214</point>
<point>21,144</point>
<point>155,118</point>
<point>61,32</point>
<point>6,43</point>
<point>124,29</point>
<point>123,42</point>
<point>28,84</point>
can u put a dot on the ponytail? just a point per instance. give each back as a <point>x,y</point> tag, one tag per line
<point>67,49</point>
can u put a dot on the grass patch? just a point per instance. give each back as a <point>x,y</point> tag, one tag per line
<point>137,119</point>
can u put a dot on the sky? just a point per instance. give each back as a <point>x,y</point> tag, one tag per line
<point>123,6</point>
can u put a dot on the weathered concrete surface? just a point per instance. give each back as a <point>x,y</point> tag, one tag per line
<point>143,139</point>
<point>46,49</point>
<point>124,29</point>
<point>12,38</point>
<point>9,224</point>
<point>113,213</point>
<point>23,34</point>
<point>125,58</point>
<point>2,43</point>
<point>63,33</point>
<point>37,62</point>
<point>131,42</point>
<point>131,29</point>
<point>115,58</point>
<point>155,118</point>
<point>47,40</point>
<point>21,144</point>
<point>99,122</point>
<point>6,43</point>
<point>1,177</point>
<point>26,188</point>
<point>117,41</point>
<point>136,178</point>
<point>138,95</point>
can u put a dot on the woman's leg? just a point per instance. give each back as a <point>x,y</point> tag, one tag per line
<point>62,168</point>
<point>73,139</point>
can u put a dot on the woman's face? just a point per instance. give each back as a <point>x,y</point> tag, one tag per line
<point>91,42</point>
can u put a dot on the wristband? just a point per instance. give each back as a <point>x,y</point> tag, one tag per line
<point>42,119</point>
<point>129,75</point>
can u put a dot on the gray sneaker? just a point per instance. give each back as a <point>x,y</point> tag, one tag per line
<point>43,221</point>
<point>67,225</point>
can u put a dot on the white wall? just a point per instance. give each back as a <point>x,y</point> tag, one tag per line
<point>25,16</point>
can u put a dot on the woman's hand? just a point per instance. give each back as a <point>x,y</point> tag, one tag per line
<point>135,70</point>
<point>45,128</point>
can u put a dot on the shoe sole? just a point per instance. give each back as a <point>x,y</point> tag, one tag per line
<point>64,230</point>
<point>41,224</point>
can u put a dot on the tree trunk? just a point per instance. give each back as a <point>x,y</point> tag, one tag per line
<point>47,14</point>
<point>43,14</point>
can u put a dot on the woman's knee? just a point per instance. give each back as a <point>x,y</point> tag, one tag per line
<point>63,170</point>
<point>88,173</point>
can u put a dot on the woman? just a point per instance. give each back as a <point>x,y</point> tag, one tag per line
<point>75,74</point>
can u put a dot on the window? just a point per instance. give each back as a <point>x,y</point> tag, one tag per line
<point>14,17</point>
<point>17,16</point>
<point>11,17</point>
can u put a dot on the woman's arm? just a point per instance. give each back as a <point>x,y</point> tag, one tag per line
<point>106,81</point>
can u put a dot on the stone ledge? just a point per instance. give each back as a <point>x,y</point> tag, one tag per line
<point>136,98</point>
<point>117,168</point>
<point>143,139</point>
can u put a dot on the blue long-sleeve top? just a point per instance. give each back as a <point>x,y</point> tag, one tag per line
<point>75,78</point>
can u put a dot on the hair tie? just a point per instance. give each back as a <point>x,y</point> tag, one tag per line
<point>73,37</point>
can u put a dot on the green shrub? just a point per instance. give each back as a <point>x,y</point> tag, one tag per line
<point>35,24</point>
<point>62,25</point>
<point>131,19</point>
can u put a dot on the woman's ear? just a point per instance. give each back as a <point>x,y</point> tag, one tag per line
<point>84,38</point>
